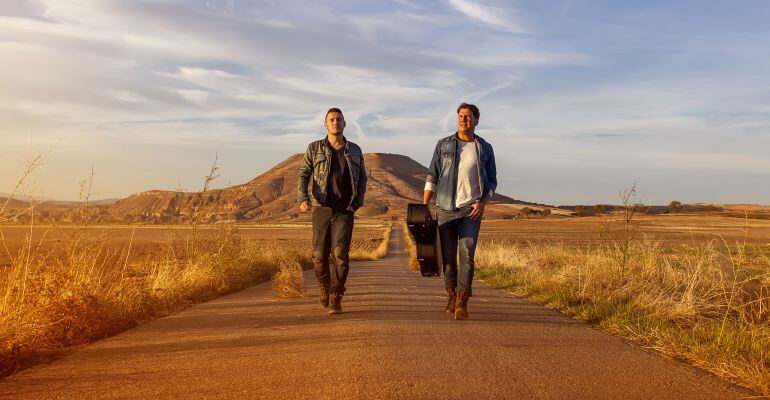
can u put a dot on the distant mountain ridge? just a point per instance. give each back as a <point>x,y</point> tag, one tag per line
<point>56,203</point>
<point>394,181</point>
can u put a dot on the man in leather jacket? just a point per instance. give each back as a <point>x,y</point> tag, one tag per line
<point>334,168</point>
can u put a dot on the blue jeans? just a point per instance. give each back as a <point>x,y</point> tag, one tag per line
<point>458,232</point>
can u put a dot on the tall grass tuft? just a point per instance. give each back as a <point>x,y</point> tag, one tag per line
<point>289,281</point>
<point>411,247</point>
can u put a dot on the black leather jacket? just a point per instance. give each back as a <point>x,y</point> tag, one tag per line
<point>316,163</point>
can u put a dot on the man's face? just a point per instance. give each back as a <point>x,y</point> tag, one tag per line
<point>335,123</point>
<point>465,120</point>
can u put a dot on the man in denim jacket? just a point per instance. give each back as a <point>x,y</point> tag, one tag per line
<point>464,175</point>
<point>336,166</point>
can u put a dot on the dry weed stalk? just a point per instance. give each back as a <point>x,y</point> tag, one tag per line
<point>29,167</point>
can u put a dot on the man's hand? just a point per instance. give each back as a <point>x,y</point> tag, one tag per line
<point>477,210</point>
<point>304,206</point>
<point>351,209</point>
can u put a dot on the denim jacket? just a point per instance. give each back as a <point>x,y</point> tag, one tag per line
<point>317,162</point>
<point>443,170</point>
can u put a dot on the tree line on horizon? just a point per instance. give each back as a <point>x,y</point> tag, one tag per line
<point>674,207</point>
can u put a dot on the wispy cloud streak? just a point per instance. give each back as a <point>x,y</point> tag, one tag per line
<point>492,16</point>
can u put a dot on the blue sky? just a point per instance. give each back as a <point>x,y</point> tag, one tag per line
<point>579,98</point>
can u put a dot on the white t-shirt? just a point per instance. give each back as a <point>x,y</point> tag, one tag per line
<point>468,179</point>
<point>467,174</point>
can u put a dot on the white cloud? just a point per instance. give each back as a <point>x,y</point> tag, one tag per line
<point>488,15</point>
<point>127,96</point>
<point>198,97</point>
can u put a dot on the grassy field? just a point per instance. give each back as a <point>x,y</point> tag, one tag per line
<point>64,286</point>
<point>670,229</point>
<point>146,241</point>
<point>696,288</point>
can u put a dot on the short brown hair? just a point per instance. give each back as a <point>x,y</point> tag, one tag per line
<point>334,110</point>
<point>472,107</point>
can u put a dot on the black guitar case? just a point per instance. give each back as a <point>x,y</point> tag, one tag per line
<point>424,229</point>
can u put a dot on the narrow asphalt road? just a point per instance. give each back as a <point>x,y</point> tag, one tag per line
<point>392,342</point>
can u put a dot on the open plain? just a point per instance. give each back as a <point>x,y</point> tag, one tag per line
<point>391,342</point>
<point>670,229</point>
<point>530,257</point>
<point>146,240</point>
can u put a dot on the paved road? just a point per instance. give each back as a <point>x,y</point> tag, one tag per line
<point>392,342</point>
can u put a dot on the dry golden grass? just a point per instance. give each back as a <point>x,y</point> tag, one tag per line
<point>672,230</point>
<point>149,240</point>
<point>289,281</point>
<point>373,249</point>
<point>49,303</point>
<point>86,288</point>
<point>411,248</point>
<point>708,303</point>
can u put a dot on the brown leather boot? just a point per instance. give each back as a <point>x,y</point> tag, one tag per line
<point>336,303</point>
<point>323,298</point>
<point>461,305</point>
<point>450,305</point>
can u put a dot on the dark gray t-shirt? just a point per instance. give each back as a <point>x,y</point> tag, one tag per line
<point>340,189</point>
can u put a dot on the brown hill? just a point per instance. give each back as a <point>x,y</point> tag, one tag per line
<point>12,203</point>
<point>394,181</point>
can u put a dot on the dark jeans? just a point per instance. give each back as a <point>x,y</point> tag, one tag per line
<point>458,232</point>
<point>332,231</point>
